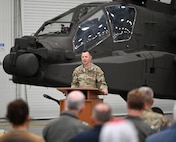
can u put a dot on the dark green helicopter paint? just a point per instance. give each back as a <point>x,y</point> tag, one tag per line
<point>133,42</point>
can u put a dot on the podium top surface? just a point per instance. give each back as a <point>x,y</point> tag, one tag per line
<point>64,89</point>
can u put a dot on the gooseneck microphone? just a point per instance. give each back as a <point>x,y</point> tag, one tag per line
<point>51,98</point>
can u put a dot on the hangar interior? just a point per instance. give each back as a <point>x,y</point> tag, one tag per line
<point>24,17</point>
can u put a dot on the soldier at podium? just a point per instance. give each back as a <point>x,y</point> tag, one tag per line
<point>89,74</point>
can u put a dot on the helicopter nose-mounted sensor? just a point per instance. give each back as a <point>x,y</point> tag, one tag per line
<point>25,56</point>
<point>25,65</point>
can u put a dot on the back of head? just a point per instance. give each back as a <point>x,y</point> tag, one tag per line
<point>17,112</point>
<point>101,113</point>
<point>135,99</point>
<point>148,92</point>
<point>120,130</point>
<point>75,100</point>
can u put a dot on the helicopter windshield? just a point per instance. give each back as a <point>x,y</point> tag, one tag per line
<point>122,22</point>
<point>63,23</point>
<point>91,32</point>
<point>95,29</point>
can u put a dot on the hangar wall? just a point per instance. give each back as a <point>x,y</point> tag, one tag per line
<point>33,13</point>
<point>7,87</point>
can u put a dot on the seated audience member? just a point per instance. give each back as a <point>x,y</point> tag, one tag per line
<point>167,135</point>
<point>155,120</point>
<point>18,115</point>
<point>64,128</point>
<point>101,113</point>
<point>135,105</point>
<point>118,130</point>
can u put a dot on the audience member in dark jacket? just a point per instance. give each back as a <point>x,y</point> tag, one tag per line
<point>101,114</point>
<point>64,128</point>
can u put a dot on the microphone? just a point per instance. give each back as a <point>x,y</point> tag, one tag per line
<point>49,97</point>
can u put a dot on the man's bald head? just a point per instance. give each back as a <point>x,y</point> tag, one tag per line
<point>101,113</point>
<point>75,100</point>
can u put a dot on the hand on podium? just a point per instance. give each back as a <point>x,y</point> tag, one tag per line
<point>105,92</point>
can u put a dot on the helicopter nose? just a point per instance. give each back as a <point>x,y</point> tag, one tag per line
<point>26,65</point>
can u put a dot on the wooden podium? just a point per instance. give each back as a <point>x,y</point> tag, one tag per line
<point>92,99</point>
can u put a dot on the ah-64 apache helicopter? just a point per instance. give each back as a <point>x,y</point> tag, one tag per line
<point>133,42</point>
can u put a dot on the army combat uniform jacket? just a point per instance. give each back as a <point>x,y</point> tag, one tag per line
<point>89,77</point>
<point>155,120</point>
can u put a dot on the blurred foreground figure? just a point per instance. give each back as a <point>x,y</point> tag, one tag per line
<point>135,105</point>
<point>18,115</point>
<point>157,121</point>
<point>101,114</point>
<point>64,128</point>
<point>167,135</point>
<point>2,132</point>
<point>118,130</point>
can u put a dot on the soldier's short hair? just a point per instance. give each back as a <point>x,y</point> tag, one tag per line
<point>85,50</point>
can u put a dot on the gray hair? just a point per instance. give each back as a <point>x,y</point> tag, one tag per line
<point>148,92</point>
<point>75,100</point>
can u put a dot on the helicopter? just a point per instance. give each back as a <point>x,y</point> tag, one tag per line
<point>132,41</point>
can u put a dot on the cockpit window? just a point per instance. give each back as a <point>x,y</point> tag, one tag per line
<point>122,21</point>
<point>60,25</point>
<point>91,32</point>
<point>63,24</point>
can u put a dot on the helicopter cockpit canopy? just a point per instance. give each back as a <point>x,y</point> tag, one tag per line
<point>113,20</point>
<point>96,29</point>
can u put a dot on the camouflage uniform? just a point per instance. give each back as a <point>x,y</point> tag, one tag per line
<point>89,77</point>
<point>155,120</point>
